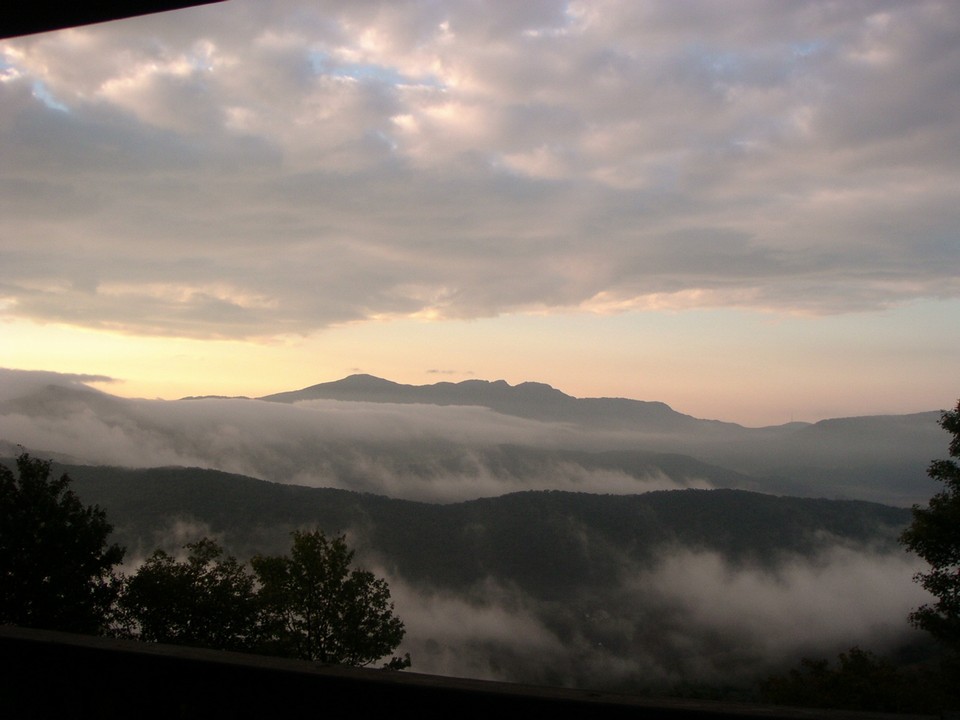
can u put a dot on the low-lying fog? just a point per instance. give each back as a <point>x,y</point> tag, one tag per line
<point>448,453</point>
<point>417,452</point>
<point>693,618</point>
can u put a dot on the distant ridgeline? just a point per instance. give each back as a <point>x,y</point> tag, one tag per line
<point>528,400</point>
<point>455,441</point>
<point>881,458</point>
<point>548,543</point>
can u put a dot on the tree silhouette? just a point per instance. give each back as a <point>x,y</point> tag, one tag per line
<point>56,567</point>
<point>934,535</point>
<point>860,681</point>
<point>316,608</point>
<point>205,600</point>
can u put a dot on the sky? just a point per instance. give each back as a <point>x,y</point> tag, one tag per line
<point>748,210</point>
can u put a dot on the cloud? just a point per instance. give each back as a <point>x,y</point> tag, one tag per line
<point>18,383</point>
<point>420,452</point>
<point>471,636</point>
<point>451,453</point>
<point>827,601</point>
<point>693,619</point>
<point>690,617</point>
<point>261,169</point>
<point>172,539</point>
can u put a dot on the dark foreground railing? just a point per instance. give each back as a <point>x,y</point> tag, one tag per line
<point>45,674</point>
<point>35,16</point>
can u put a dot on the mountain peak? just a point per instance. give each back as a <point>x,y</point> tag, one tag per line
<point>532,400</point>
<point>363,380</point>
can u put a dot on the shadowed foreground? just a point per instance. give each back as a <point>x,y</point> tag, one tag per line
<point>53,674</point>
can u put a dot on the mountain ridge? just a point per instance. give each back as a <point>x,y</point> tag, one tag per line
<point>532,400</point>
<point>429,541</point>
<point>422,450</point>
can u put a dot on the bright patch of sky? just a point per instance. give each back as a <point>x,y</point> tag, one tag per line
<point>808,48</point>
<point>7,69</point>
<point>324,64</point>
<point>585,194</point>
<point>10,71</point>
<point>43,94</point>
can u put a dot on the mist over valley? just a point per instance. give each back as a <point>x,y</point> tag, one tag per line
<point>449,442</point>
<point>641,593</point>
<point>527,535</point>
<point>615,228</point>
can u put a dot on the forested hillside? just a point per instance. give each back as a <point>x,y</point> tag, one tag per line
<point>550,543</point>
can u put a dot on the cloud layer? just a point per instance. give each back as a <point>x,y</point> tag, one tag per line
<point>690,617</point>
<point>694,619</point>
<point>418,452</point>
<point>255,169</point>
<point>449,453</point>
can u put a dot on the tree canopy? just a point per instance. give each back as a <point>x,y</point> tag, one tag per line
<point>310,605</point>
<point>206,600</point>
<point>860,681</point>
<point>57,572</point>
<point>56,566</point>
<point>934,535</point>
<point>317,608</point>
